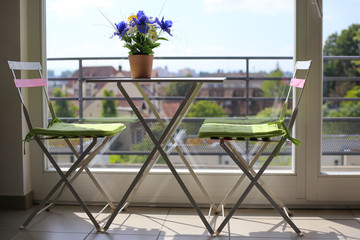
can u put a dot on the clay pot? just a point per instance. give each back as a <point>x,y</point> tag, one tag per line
<point>141,66</point>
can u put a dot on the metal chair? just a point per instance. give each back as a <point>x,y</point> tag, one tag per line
<point>61,130</point>
<point>230,130</point>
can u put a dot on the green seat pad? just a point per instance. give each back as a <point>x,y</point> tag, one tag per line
<point>238,129</point>
<point>75,130</point>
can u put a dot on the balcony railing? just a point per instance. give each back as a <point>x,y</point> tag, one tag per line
<point>331,143</point>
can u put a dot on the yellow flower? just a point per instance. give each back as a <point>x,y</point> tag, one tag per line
<point>153,34</point>
<point>130,18</point>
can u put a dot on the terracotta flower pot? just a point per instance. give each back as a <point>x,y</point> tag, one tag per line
<point>141,66</point>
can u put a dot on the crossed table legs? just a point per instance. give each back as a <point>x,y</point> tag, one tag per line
<point>175,121</point>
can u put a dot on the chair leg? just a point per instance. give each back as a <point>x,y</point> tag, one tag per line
<point>254,182</point>
<point>83,166</point>
<point>64,178</point>
<point>249,167</point>
<point>236,185</point>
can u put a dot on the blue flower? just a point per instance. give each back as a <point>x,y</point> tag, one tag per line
<point>141,32</point>
<point>140,15</point>
<point>164,25</point>
<point>141,21</point>
<point>122,29</point>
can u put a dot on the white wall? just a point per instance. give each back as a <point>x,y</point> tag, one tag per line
<point>22,39</point>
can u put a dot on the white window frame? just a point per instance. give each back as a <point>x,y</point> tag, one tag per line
<point>302,187</point>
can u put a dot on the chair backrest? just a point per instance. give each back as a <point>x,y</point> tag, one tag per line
<point>301,73</point>
<point>40,81</point>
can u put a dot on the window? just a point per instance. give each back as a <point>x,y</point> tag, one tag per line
<point>216,30</point>
<point>341,105</point>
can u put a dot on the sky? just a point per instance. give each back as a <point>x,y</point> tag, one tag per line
<point>76,28</point>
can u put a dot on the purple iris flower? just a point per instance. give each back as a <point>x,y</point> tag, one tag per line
<point>164,25</point>
<point>141,22</point>
<point>122,28</point>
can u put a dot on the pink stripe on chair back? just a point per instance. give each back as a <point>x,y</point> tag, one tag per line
<point>296,82</point>
<point>36,82</point>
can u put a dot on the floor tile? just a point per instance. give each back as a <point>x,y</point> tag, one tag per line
<point>191,225</point>
<point>107,236</point>
<point>26,235</point>
<point>185,212</point>
<point>322,214</point>
<point>330,229</point>
<point>67,219</point>
<point>193,237</point>
<point>256,213</point>
<point>12,219</point>
<point>148,211</point>
<point>260,228</point>
<point>147,223</point>
<point>8,234</point>
<point>137,223</point>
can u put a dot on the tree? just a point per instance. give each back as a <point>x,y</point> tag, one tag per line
<point>273,88</point>
<point>346,108</point>
<point>178,88</point>
<point>51,73</point>
<point>108,106</point>
<point>206,109</point>
<point>146,145</point>
<point>202,109</point>
<point>273,112</point>
<point>345,44</point>
<point>66,74</point>
<point>63,108</point>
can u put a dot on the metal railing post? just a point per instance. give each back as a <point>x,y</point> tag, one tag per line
<point>247,105</point>
<point>81,100</point>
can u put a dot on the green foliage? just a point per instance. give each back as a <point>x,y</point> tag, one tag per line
<point>130,159</point>
<point>146,145</point>
<point>63,108</point>
<point>140,44</point>
<point>278,161</point>
<point>206,109</point>
<point>108,106</point>
<point>177,88</point>
<point>346,108</point>
<point>50,73</point>
<point>273,112</point>
<point>66,74</point>
<point>202,109</point>
<point>345,44</point>
<point>273,88</point>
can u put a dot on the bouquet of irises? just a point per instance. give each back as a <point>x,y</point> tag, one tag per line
<point>141,33</point>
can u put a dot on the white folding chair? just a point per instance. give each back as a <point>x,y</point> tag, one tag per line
<point>60,130</point>
<point>228,131</point>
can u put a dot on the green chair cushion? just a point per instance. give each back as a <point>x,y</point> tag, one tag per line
<point>239,129</point>
<point>75,130</point>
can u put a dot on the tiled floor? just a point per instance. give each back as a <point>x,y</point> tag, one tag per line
<point>70,223</point>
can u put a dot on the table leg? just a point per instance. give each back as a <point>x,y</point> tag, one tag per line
<point>175,121</point>
<point>182,156</point>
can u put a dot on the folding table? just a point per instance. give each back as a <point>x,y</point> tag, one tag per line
<point>166,136</point>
